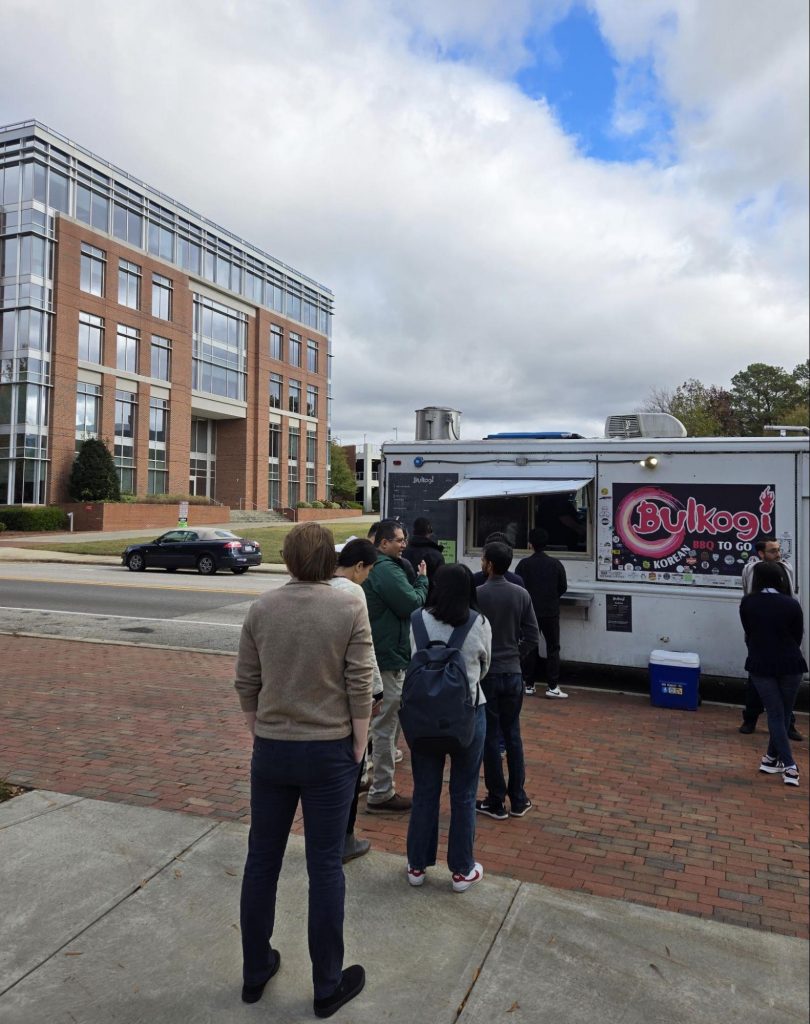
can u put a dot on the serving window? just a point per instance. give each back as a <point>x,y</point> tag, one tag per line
<point>565,515</point>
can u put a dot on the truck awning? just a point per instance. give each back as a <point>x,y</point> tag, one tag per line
<point>499,486</point>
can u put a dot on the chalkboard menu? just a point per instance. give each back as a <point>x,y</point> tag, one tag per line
<point>410,495</point>
<point>618,613</point>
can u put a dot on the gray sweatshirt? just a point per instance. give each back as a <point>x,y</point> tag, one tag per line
<point>511,615</point>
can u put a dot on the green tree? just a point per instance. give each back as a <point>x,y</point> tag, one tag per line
<point>763,394</point>
<point>344,485</point>
<point>93,476</point>
<point>705,410</point>
<point>799,414</point>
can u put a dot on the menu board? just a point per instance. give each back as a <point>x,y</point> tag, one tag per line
<point>411,495</point>
<point>618,613</point>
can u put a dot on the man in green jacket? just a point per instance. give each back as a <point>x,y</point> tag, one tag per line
<point>391,598</point>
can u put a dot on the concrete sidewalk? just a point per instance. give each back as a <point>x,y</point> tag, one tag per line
<point>130,914</point>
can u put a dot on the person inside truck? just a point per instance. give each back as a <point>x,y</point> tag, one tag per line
<point>564,523</point>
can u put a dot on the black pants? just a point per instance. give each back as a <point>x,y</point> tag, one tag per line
<point>754,706</point>
<point>549,626</point>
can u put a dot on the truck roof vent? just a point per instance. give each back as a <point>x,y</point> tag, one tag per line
<point>644,424</point>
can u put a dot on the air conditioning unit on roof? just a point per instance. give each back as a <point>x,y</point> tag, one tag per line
<point>644,424</point>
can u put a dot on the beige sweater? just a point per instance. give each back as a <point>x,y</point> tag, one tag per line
<point>305,662</point>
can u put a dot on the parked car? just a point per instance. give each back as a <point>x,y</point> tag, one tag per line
<point>205,549</point>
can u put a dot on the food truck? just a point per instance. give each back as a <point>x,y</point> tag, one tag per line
<point>653,527</point>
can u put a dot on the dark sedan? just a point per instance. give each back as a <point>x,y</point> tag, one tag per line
<point>205,549</point>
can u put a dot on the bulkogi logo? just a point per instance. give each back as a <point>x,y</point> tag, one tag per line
<point>654,524</point>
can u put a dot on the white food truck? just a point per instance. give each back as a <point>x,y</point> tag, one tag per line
<point>653,530</point>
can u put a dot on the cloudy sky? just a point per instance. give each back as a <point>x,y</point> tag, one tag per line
<point>533,211</point>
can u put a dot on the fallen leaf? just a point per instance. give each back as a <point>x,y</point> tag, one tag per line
<point>233,874</point>
<point>178,874</point>
<point>656,969</point>
<point>513,1007</point>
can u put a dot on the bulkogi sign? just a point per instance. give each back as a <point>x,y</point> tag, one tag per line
<point>693,534</point>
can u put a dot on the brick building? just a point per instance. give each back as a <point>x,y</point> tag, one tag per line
<point>201,361</point>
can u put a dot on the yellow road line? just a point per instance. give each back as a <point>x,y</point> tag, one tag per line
<point>128,586</point>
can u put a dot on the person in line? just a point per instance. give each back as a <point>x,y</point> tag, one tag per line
<point>423,548</point>
<point>480,577</point>
<point>511,617</point>
<point>304,676</point>
<point>391,598</point>
<point>544,577</point>
<point>773,625</point>
<point>452,600</point>
<point>355,561</point>
<point>768,550</point>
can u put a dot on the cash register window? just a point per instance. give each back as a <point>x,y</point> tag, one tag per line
<point>566,517</point>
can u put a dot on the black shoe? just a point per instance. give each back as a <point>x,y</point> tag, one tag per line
<point>747,728</point>
<point>794,734</point>
<point>253,993</point>
<point>351,985</point>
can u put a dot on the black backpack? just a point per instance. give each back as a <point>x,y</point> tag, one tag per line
<point>435,711</point>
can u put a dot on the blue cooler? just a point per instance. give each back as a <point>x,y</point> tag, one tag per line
<point>675,680</point>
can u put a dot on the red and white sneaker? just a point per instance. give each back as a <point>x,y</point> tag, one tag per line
<point>415,876</point>
<point>463,882</point>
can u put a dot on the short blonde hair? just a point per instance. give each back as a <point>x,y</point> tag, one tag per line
<point>309,552</point>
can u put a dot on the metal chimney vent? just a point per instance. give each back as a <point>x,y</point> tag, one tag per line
<point>438,423</point>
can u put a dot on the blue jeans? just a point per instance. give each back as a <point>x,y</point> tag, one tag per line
<point>423,828</point>
<point>504,693</point>
<point>322,774</point>
<point>778,695</point>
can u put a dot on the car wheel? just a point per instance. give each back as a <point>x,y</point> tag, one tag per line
<point>136,562</point>
<point>171,568</point>
<point>206,566</point>
<point>242,569</point>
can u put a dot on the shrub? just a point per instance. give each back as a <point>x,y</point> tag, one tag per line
<point>2,526</point>
<point>334,504</point>
<point>93,476</point>
<point>32,519</point>
<point>317,504</point>
<point>303,504</point>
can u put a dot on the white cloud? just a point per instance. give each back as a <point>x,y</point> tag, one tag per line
<point>478,261</point>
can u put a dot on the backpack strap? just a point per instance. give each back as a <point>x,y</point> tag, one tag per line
<point>420,633</point>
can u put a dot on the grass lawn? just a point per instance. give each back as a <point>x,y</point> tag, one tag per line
<point>270,538</point>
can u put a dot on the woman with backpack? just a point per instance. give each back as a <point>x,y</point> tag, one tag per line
<point>451,605</point>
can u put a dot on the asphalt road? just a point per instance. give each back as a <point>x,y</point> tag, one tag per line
<point>108,603</point>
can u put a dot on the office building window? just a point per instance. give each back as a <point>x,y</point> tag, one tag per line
<point>91,276</point>
<point>91,337</point>
<point>276,382</point>
<point>158,438</point>
<point>124,450</point>
<point>312,400</point>
<point>295,349</point>
<point>312,356</point>
<point>295,396</point>
<point>273,475</point>
<point>92,208</point>
<point>293,485</point>
<point>88,411</point>
<point>276,342</point>
<point>312,448</point>
<point>129,284</point>
<point>126,355</point>
<point>161,358</point>
<point>161,297</point>
<point>219,352</point>
<point>128,225</point>
<point>160,241</point>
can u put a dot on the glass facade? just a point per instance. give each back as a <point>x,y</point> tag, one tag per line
<point>124,448</point>
<point>219,349</point>
<point>273,474</point>
<point>203,458</point>
<point>293,485</point>
<point>158,442</point>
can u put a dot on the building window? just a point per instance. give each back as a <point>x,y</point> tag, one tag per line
<point>312,448</point>
<point>88,411</point>
<point>91,337</point>
<point>160,241</point>
<point>128,225</point>
<point>126,355</point>
<point>161,358</point>
<point>312,356</point>
<point>124,450</point>
<point>158,437</point>
<point>276,342</point>
<point>92,208</point>
<point>312,400</point>
<point>219,352</point>
<point>295,396</point>
<point>293,487</point>
<point>161,297</point>
<point>273,475</point>
<point>129,284</point>
<point>91,277</point>
<point>203,458</point>
<point>276,382</point>
<point>295,349</point>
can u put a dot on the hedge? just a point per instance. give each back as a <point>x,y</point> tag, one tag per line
<point>33,519</point>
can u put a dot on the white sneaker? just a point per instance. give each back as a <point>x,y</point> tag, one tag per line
<point>397,755</point>
<point>463,882</point>
<point>415,876</point>
<point>556,692</point>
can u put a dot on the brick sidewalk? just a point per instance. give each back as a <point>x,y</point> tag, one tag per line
<point>664,808</point>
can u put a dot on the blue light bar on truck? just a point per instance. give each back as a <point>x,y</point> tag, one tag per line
<point>540,435</point>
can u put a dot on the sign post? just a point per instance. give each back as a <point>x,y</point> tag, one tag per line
<point>182,514</point>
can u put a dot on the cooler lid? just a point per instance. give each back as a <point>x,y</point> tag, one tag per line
<point>678,659</point>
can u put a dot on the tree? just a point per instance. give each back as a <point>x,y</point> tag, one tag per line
<point>93,476</point>
<point>799,414</point>
<point>705,410</point>
<point>344,485</point>
<point>763,394</point>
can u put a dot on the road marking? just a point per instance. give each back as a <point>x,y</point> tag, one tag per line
<point>124,586</point>
<point>129,618</point>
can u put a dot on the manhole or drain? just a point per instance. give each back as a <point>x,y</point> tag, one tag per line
<point>136,629</point>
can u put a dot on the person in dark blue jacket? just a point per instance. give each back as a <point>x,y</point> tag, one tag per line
<point>773,625</point>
